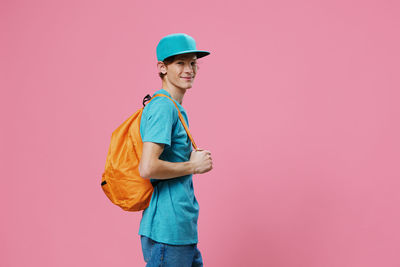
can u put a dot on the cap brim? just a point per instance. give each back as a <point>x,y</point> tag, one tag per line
<point>199,53</point>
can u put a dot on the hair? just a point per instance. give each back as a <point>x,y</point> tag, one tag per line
<point>166,61</point>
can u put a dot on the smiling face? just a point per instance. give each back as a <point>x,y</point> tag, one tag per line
<point>181,72</point>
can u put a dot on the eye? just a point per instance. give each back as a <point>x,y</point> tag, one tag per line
<point>180,62</point>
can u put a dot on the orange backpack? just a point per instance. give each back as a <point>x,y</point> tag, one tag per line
<point>121,181</point>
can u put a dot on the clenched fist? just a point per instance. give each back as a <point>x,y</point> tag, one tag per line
<point>201,160</point>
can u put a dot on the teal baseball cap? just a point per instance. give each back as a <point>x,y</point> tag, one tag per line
<point>176,44</point>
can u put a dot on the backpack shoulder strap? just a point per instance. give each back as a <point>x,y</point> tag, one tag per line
<point>180,118</point>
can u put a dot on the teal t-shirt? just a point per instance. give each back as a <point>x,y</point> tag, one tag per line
<point>172,215</point>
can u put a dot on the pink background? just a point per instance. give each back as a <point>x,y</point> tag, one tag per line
<point>298,103</point>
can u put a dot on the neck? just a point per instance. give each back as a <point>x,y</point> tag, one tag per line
<point>175,92</point>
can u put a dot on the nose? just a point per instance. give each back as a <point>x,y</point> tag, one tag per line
<point>188,68</point>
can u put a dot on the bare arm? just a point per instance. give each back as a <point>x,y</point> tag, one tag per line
<point>152,167</point>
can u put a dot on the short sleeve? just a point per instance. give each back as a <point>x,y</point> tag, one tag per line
<point>157,121</point>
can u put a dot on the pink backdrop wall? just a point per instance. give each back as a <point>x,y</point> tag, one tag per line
<point>298,102</point>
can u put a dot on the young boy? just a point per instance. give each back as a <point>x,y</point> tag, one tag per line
<point>168,227</point>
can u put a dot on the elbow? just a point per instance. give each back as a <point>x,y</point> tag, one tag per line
<point>144,170</point>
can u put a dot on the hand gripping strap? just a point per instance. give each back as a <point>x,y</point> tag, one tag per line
<point>180,117</point>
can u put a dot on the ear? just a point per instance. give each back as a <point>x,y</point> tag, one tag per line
<point>161,67</point>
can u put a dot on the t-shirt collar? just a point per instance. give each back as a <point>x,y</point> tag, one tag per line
<point>163,91</point>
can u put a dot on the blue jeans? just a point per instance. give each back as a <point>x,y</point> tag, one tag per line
<point>157,254</point>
